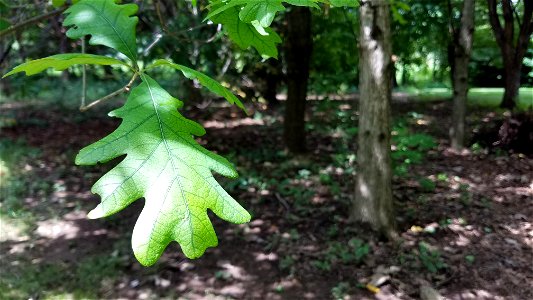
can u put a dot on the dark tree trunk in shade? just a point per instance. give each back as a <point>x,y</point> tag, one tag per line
<point>461,48</point>
<point>273,78</point>
<point>373,202</point>
<point>270,76</point>
<point>512,48</point>
<point>298,44</point>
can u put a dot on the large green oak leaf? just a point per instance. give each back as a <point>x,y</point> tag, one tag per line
<point>165,165</point>
<point>61,62</point>
<point>108,23</point>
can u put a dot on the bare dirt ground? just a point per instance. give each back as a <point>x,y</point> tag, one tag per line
<point>469,235</point>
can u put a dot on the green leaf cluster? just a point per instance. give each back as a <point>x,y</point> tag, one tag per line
<point>163,162</point>
<point>247,22</point>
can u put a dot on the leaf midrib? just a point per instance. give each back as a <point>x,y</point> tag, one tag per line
<point>171,158</point>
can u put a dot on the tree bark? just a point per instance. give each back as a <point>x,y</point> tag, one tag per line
<point>373,201</point>
<point>512,49</point>
<point>462,49</point>
<point>298,53</point>
<point>273,79</point>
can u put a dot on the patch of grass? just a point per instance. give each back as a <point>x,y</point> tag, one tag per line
<point>409,148</point>
<point>16,178</point>
<point>56,280</point>
<point>430,259</point>
<point>484,97</point>
<point>340,291</point>
<point>427,185</point>
<point>354,252</point>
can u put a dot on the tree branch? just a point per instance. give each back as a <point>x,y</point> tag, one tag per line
<point>113,94</point>
<point>176,35</point>
<point>526,28</point>
<point>508,19</point>
<point>451,26</point>
<point>34,20</point>
<point>495,23</point>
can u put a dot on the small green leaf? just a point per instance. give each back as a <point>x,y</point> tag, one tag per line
<point>109,24</point>
<point>470,259</point>
<point>62,61</point>
<point>166,166</point>
<point>219,7</point>
<point>245,35</point>
<point>58,3</point>
<point>262,11</point>
<point>206,81</point>
<point>257,9</point>
<point>4,24</point>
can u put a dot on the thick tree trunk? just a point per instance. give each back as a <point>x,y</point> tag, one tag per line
<point>511,76</point>
<point>373,201</point>
<point>512,49</point>
<point>298,53</point>
<point>462,48</point>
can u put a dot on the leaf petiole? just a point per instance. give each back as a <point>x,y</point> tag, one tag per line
<point>126,89</point>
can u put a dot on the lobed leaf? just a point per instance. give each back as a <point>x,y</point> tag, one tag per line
<point>263,11</point>
<point>166,166</point>
<point>247,21</point>
<point>108,23</point>
<point>245,35</point>
<point>61,62</point>
<point>206,81</point>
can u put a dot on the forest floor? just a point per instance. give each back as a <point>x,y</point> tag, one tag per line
<point>465,219</point>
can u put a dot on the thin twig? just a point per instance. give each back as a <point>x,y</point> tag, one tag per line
<point>83,77</point>
<point>126,88</point>
<point>19,26</point>
<point>283,203</point>
<point>176,35</point>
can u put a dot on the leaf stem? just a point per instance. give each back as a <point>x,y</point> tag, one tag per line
<point>84,76</point>
<point>126,88</point>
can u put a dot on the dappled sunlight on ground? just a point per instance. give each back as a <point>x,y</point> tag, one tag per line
<point>465,219</point>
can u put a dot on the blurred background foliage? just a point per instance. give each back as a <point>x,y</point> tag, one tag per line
<point>420,46</point>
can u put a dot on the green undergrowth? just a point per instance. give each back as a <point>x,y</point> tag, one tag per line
<point>85,279</point>
<point>17,177</point>
<point>25,200</point>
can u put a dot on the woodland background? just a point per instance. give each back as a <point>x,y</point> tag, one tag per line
<point>465,218</point>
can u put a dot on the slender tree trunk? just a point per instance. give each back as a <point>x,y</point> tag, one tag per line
<point>373,201</point>
<point>298,53</point>
<point>462,48</point>
<point>512,49</point>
